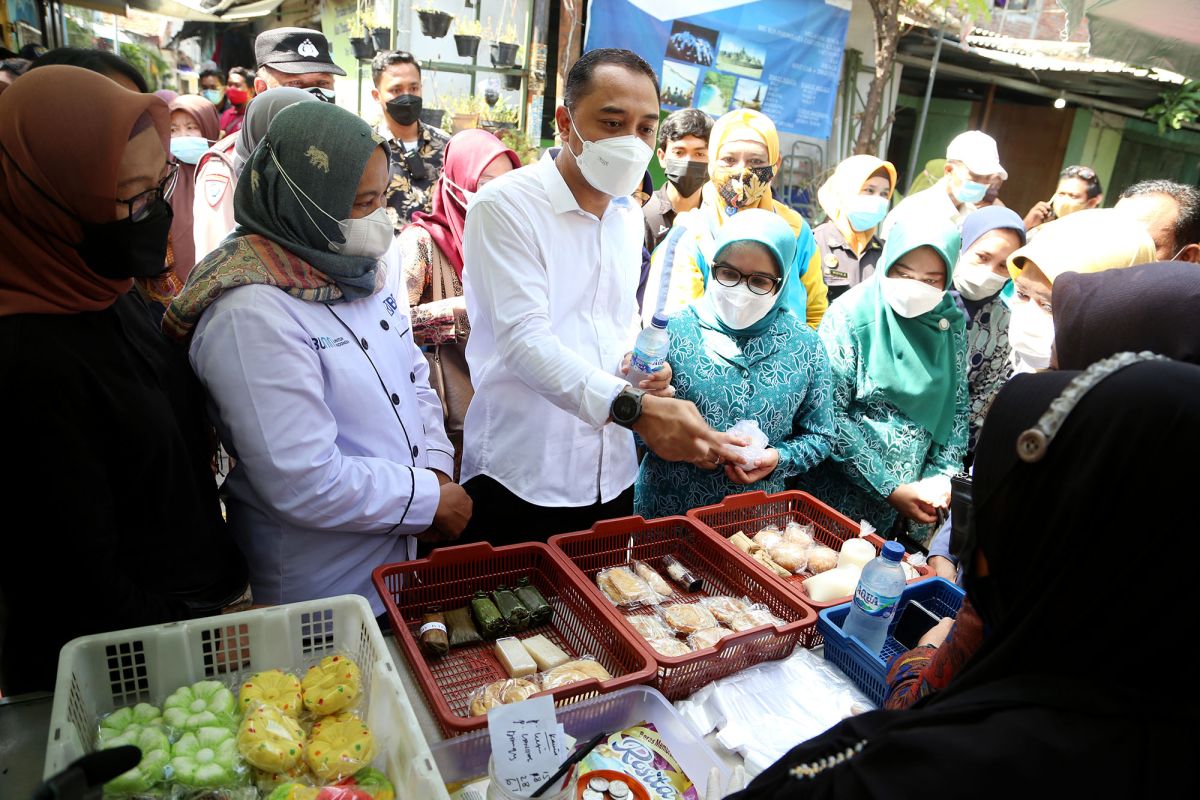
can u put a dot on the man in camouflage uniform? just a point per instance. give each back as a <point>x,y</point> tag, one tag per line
<point>416,148</point>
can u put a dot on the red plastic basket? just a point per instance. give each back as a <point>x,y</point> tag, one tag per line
<point>581,625</point>
<point>615,542</point>
<point>753,511</point>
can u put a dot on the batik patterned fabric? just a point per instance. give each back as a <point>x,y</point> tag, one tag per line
<point>405,193</point>
<point>988,361</point>
<point>434,321</point>
<point>925,670</point>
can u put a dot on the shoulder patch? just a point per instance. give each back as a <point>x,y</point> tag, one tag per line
<point>214,189</point>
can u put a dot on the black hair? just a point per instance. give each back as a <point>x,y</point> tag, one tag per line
<point>579,79</point>
<point>212,73</point>
<point>101,61</point>
<point>246,74</point>
<point>1085,174</point>
<point>685,122</point>
<point>390,58</point>
<point>1187,226</point>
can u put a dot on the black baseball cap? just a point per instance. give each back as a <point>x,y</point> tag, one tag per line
<point>295,51</point>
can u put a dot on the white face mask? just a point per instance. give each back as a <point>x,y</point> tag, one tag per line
<point>466,196</point>
<point>366,237</point>
<point>613,166</point>
<point>737,306</point>
<point>977,281</point>
<point>910,298</point>
<point>1030,335</point>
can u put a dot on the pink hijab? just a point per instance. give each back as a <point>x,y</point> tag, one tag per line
<point>466,156</point>
<point>182,243</point>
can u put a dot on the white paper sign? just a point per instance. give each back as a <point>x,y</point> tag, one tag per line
<point>528,744</point>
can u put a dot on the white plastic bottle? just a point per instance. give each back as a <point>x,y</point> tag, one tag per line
<point>650,351</point>
<point>876,597</point>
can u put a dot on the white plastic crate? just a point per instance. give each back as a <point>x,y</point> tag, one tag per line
<point>98,674</point>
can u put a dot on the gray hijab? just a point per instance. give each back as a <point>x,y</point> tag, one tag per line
<point>262,110</point>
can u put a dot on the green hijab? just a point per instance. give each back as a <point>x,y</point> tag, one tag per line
<point>772,232</point>
<point>912,360</point>
<point>324,150</point>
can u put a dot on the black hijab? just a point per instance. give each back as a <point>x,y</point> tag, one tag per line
<point>1083,684</point>
<point>1153,307</point>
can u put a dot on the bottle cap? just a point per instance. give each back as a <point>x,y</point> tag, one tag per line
<point>893,551</point>
<point>659,320</point>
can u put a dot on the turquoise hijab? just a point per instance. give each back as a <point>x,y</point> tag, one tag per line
<point>772,232</point>
<point>912,360</point>
<point>324,151</point>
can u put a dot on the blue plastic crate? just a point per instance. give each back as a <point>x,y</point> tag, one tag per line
<point>867,670</point>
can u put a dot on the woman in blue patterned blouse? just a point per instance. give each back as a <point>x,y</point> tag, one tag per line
<point>897,349</point>
<point>739,353</point>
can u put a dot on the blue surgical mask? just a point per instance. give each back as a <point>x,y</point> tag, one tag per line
<point>971,192</point>
<point>866,211</point>
<point>213,96</point>
<point>188,149</point>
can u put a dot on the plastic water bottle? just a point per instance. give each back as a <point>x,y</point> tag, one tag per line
<point>875,598</point>
<point>649,351</point>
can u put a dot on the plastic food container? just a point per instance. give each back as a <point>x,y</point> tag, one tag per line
<point>98,674</point>
<point>582,625</point>
<point>867,670</point>
<point>615,542</point>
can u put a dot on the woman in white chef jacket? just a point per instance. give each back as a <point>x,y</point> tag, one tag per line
<point>300,334</point>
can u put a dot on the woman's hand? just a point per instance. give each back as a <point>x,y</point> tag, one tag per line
<point>658,384</point>
<point>766,465</point>
<point>944,568</point>
<point>907,500</point>
<point>936,635</point>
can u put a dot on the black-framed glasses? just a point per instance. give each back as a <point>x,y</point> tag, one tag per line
<point>142,203</point>
<point>757,282</point>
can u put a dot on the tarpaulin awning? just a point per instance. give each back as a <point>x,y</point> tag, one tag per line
<point>1145,33</point>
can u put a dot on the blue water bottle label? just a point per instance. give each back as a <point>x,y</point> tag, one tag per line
<point>640,362</point>
<point>874,605</point>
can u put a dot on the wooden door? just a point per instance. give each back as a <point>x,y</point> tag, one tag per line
<point>1032,141</point>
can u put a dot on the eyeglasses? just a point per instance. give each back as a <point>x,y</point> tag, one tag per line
<point>1083,173</point>
<point>758,282</point>
<point>142,203</point>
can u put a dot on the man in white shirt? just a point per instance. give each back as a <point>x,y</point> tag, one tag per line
<point>553,256</point>
<point>972,165</point>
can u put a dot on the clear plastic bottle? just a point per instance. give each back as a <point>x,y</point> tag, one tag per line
<point>875,598</point>
<point>650,351</point>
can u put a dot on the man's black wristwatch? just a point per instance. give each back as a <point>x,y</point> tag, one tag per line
<point>626,407</point>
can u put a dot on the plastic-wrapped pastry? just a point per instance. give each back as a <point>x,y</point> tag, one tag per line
<point>743,542</point>
<point>270,740</point>
<point>821,558</point>
<point>624,588</point>
<point>206,758</point>
<point>649,627</point>
<point>338,746</point>
<point>540,611</point>
<point>754,616</point>
<point>501,693</point>
<point>687,617</point>
<point>707,637</point>
<point>768,537</point>
<point>790,556</point>
<point>798,534</point>
<point>764,558</point>
<point>201,705</point>
<point>274,688</point>
<point>670,647</point>
<point>582,669</point>
<point>724,609</point>
<point>910,572</point>
<point>651,576</point>
<point>331,686</point>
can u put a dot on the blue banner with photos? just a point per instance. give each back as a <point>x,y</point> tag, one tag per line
<point>780,57</point>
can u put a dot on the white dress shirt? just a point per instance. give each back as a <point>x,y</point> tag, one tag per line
<point>927,204</point>
<point>329,415</point>
<point>551,295</point>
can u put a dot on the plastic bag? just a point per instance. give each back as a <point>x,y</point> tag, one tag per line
<point>501,692</point>
<point>338,746</point>
<point>669,646</point>
<point>749,456</point>
<point>792,556</point>
<point>822,559</point>
<point>708,637</point>
<point>625,589</point>
<point>725,609</point>
<point>203,704</point>
<point>650,575</point>
<point>271,687</point>
<point>650,626</point>
<point>768,537</point>
<point>581,669</point>
<point>755,615</point>
<point>206,758</point>
<point>331,685</point>
<point>271,740</point>
<point>799,534</point>
<point>685,618</point>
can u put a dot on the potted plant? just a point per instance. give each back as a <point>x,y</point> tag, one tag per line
<point>362,42</point>
<point>435,23</point>
<point>500,116</point>
<point>513,82</point>
<point>504,48</point>
<point>464,111</point>
<point>434,117</point>
<point>381,38</point>
<point>466,37</point>
<point>364,48</point>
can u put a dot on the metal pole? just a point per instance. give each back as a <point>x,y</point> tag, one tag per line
<point>916,145</point>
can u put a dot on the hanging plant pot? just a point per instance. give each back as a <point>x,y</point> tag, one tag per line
<point>512,83</point>
<point>435,117</point>
<point>381,38</point>
<point>464,122</point>
<point>467,46</point>
<point>363,48</point>
<point>435,24</point>
<point>504,54</point>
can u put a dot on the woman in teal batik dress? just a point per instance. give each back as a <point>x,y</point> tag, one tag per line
<point>897,349</point>
<point>739,353</point>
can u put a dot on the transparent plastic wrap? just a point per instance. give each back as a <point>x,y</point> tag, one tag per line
<point>792,556</point>
<point>650,626</point>
<point>799,534</point>
<point>821,559</point>
<point>206,758</point>
<point>331,685</point>
<point>271,740</point>
<point>764,711</point>
<point>625,589</point>
<point>686,618</point>
<point>366,784</point>
<point>725,609</point>
<point>708,637</point>
<point>581,669</point>
<point>271,687</point>
<point>669,646</point>
<point>651,576</point>
<point>768,537</point>
<point>739,614</point>
<point>203,704</point>
<point>338,746</point>
<point>512,690</point>
<point>149,776</point>
<point>832,584</point>
<point>749,456</point>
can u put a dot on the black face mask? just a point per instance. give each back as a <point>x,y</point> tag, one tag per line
<point>405,109</point>
<point>127,249</point>
<point>685,175</point>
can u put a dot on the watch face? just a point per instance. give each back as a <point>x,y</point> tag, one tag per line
<point>624,407</point>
